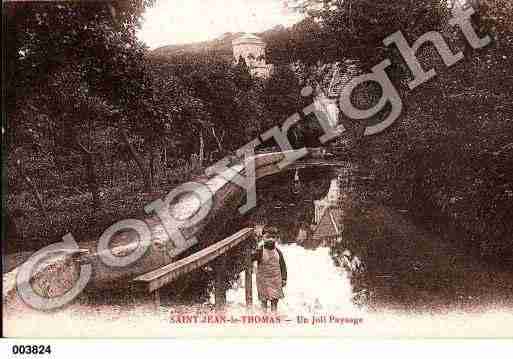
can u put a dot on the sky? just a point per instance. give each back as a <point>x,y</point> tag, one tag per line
<point>172,22</point>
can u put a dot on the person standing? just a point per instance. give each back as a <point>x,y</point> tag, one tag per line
<point>271,274</point>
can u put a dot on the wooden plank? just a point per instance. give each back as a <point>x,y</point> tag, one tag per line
<point>220,282</point>
<point>156,299</point>
<point>270,169</point>
<point>164,275</point>
<point>224,192</point>
<point>248,277</point>
<point>316,163</point>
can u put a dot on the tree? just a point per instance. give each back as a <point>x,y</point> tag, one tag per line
<point>43,37</point>
<point>230,96</point>
<point>80,64</point>
<point>282,98</point>
<point>355,28</point>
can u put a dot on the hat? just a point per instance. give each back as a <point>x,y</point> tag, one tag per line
<point>270,230</point>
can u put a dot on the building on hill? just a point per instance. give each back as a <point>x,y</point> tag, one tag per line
<point>252,49</point>
<point>327,91</point>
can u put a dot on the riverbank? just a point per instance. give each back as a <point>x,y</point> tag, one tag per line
<point>317,303</point>
<point>412,270</point>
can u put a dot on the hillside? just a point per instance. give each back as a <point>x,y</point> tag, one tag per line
<point>221,46</point>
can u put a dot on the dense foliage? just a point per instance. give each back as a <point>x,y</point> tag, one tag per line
<point>94,120</point>
<point>449,157</point>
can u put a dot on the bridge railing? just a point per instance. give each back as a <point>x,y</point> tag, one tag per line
<point>156,279</point>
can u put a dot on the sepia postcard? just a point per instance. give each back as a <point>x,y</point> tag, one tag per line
<point>257,169</point>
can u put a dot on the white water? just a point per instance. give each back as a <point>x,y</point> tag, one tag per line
<point>314,284</point>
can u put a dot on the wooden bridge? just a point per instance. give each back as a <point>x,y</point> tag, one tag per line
<point>217,253</point>
<point>160,267</point>
<point>154,280</point>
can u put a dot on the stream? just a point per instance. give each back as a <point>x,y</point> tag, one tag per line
<point>320,296</point>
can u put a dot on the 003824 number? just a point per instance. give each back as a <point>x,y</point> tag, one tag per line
<point>31,349</point>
